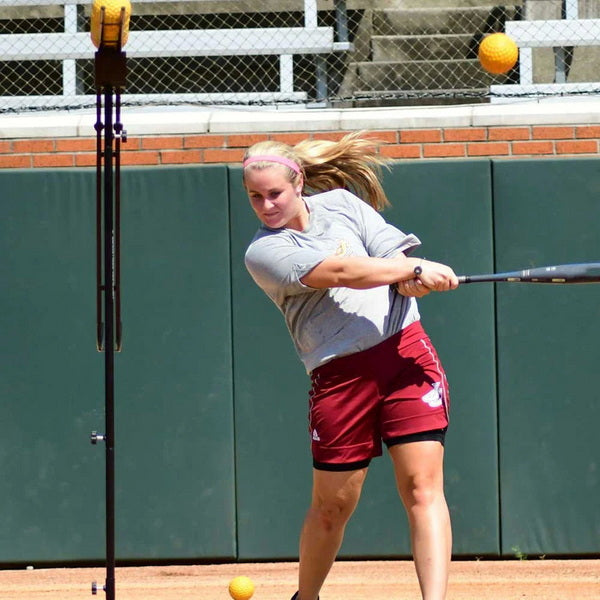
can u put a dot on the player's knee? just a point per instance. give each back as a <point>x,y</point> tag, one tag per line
<point>332,513</point>
<point>421,492</point>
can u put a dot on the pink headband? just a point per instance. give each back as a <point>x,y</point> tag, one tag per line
<point>272,158</point>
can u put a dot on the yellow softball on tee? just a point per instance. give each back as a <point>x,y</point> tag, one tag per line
<point>112,18</point>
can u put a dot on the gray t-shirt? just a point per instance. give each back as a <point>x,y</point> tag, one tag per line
<point>331,322</point>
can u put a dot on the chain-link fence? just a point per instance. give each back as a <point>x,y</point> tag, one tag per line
<point>302,52</point>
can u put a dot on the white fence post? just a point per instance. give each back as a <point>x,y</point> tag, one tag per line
<point>69,66</point>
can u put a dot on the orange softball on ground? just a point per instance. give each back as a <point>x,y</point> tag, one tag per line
<point>498,53</point>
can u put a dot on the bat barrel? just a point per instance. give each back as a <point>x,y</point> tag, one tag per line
<point>573,273</point>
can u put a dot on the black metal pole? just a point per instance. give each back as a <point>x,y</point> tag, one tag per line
<point>110,72</point>
<point>109,352</point>
<point>99,126</point>
<point>120,136</point>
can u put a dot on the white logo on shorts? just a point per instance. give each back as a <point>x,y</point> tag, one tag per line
<point>433,397</point>
<point>315,436</point>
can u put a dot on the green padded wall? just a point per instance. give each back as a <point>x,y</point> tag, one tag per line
<point>547,212</point>
<point>175,399</point>
<point>212,444</point>
<point>174,433</point>
<point>49,472</point>
<point>449,206</point>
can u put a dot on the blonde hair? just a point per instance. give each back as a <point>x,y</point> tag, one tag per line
<point>352,163</point>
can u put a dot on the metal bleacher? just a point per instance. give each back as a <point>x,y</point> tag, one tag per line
<point>560,35</point>
<point>72,44</point>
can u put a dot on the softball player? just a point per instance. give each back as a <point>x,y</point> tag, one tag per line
<point>346,285</point>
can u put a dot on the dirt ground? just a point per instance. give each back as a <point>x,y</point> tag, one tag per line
<point>364,580</point>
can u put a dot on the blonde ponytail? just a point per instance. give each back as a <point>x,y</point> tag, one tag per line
<point>352,163</point>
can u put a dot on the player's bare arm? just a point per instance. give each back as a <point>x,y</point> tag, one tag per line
<point>360,272</point>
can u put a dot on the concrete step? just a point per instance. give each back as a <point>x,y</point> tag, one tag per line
<point>398,48</point>
<point>429,21</point>
<point>420,75</point>
<point>425,52</point>
<point>447,3</point>
<point>384,98</point>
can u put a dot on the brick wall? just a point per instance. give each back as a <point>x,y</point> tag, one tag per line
<point>423,143</point>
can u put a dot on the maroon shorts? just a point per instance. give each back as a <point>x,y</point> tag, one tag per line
<point>387,392</point>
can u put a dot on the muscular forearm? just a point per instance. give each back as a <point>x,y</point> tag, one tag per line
<point>360,272</point>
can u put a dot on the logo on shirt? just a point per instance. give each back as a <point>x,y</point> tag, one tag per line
<point>433,397</point>
<point>315,436</point>
<point>342,248</point>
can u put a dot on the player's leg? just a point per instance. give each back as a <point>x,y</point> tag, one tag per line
<point>334,498</point>
<point>344,411</point>
<point>418,467</point>
<point>418,401</point>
